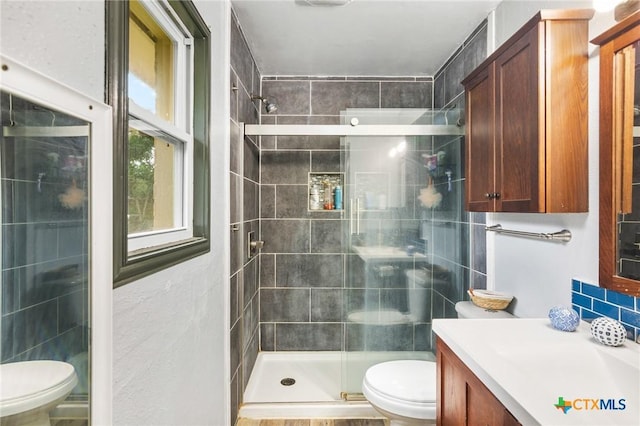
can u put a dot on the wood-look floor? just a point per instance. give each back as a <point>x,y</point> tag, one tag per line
<point>312,422</point>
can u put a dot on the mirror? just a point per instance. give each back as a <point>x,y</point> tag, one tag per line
<point>55,156</point>
<point>628,214</point>
<point>620,156</point>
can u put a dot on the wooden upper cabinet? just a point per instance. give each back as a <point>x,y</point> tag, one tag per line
<point>526,106</point>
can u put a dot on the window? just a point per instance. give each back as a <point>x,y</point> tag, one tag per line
<point>158,85</point>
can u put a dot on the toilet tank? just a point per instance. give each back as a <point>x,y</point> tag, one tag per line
<point>417,278</point>
<point>418,294</point>
<point>468,310</point>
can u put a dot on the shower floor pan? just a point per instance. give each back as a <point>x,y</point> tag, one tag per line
<point>317,387</point>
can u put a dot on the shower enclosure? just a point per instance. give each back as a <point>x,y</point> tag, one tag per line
<point>56,286</point>
<point>396,180</point>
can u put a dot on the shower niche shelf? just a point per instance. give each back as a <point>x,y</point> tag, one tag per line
<point>321,191</point>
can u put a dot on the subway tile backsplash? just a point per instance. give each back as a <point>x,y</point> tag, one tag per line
<point>591,302</point>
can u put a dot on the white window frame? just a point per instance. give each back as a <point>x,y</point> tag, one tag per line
<point>179,132</point>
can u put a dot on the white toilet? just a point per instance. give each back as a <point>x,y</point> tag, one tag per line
<point>29,390</point>
<point>404,391</point>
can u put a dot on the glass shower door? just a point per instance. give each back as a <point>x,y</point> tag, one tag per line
<point>387,300</point>
<point>397,190</point>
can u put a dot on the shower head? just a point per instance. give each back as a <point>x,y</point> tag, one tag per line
<point>269,107</point>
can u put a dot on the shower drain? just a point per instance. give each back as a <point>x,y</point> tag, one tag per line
<point>287,381</point>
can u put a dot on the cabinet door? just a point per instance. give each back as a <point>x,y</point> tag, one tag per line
<point>480,142</point>
<point>463,400</point>
<point>483,409</point>
<point>519,115</point>
<point>451,388</point>
<point>509,420</point>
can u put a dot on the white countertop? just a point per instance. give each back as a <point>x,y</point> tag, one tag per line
<point>528,365</point>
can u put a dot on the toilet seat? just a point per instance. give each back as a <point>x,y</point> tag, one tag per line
<point>28,385</point>
<point>405,387</point>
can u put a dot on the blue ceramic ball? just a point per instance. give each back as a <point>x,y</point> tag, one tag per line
<point>564,318</point>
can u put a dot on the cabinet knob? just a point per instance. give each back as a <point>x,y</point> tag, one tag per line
<point>496,195</point>
<point>492,195</point>
<point>488,195</point>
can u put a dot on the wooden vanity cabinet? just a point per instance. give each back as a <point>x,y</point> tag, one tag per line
<point>462,399</point>
<point>526,115</point>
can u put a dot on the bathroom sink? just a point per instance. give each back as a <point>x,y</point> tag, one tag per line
<point>383,252</point>
<point>618,371</point>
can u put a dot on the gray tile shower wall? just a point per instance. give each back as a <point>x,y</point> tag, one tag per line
<point>245,214</point>
<point>458,240</point>
<point>303,263</point>
<point>447,81</point>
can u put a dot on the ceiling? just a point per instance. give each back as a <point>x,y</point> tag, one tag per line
<point>361,38</point>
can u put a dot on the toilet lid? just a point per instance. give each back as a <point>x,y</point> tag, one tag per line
<point>28,384</point>
<point>407,380</point>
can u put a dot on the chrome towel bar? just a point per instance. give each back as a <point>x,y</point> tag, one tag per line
<point>563,236</point>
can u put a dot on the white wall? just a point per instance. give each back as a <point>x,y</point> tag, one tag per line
<point>170,345</point>
<point>539,272</point>
<point>31,33</point>
<point>170,329</point>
